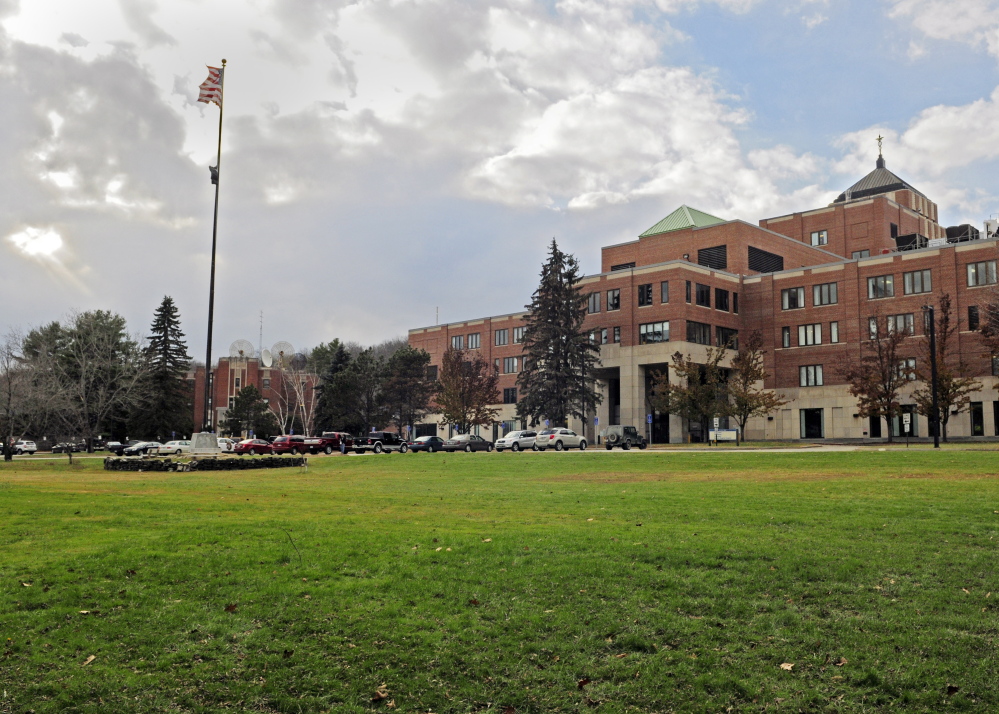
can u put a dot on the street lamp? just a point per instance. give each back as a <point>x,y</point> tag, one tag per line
<point>929,312</point>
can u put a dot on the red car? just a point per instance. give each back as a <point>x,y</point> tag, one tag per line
<point>252,447</point>
<point>293,445</point>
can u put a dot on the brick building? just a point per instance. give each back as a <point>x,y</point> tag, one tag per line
<point>810,282</point>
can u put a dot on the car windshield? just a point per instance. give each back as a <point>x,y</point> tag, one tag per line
<point>513,435</point>
<point>546,432</point>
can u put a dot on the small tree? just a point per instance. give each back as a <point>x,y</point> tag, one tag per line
<point>250,412</point>
<point>701,393</point>
<point>877,376</point>
<point>745,385</point>
<point>955,385</point>
<point>408,388</point>
<point>467,388</point>
<point>167,399</point>
<point>559,358</point>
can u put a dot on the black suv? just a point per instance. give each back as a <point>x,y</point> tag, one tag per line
<point>623,436</point>
<point>379,441</point>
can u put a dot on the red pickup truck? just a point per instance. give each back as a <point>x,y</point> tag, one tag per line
<point>329,442</point>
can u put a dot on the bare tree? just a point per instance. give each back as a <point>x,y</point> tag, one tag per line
<point>701,392</point>
<point>745,385</point>
<point>15,393</point>
<point>876,377</point>
<point>295,398</point>
<point>467,388</point>
<point>955,385</point>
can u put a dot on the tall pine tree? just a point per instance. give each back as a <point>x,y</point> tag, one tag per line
<point>168,405</point>
<point>559,357</point>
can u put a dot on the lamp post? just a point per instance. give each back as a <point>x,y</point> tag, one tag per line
<point>935,418</point>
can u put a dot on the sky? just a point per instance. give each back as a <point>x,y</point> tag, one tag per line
<point>390,163</point>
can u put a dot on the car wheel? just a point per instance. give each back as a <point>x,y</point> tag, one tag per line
<point>403,449</point>
<point>515,448</point>
<point>294,451</point>
<point>358,451</point>
<point>558,446</point>
<point>490,448</point>
<point>609,447</point>
<point>534,447</point>
<point>626,445</point>
<point>430,449</point>
<point>468,448</point>
<point>582,445</point>
<point>328,450</point>
<point>642,445</point>
<point>18,452</point>
<point>253,452</point>
<point>177,452</point>
<point>377,449</point>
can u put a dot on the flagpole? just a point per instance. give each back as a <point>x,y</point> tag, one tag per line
<point>206,421</point>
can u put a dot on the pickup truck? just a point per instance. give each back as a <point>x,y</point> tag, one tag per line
<point>379,442</point>
<point>329,442</point>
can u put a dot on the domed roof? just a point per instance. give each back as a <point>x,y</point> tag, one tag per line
<point>683,217</point>
<point>879,181</point>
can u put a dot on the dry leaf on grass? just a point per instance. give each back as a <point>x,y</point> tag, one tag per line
<point>473,602</point>
<point>288,653</point>
<point>582,683</point>
<point>380,693</point>
<point>27,585</point>
<point>841,661</point>
<point>231,607</point>
<point>88,660</point>
<point>487,540</point>
<point>623,654</point>
<point>788,666</point>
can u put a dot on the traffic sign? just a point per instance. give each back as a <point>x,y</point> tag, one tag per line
<point>906,418</point>
<point>596,420</point>
<point>648,418</point>
<point>717,422</point>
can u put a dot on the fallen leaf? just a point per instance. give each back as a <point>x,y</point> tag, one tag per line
<point>841,661</point>
<point>231,607</point>
<point>966,591</point>
<point>129,572</point>
<point>91,658</point>
<point>582,683</point>
<point>788,666</point>
<point>589,519</point>
<point>353,647</point>
<point>837,679</point>
<point>509,710</point>
<point>619,656</point>
<point>487,540</point>
<point>556,658</point>
<point>27,585</point>
<point>447,550</point>
<point>307,597</point>
<point>380,693</point>
<point>288,653</point>
<point>391,704</point>
<point>473,602</point>
<point>84,612</point>
<point>952,689</point>
<point>438,549</point>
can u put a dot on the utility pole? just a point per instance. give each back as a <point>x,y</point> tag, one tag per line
<point>935,418</point>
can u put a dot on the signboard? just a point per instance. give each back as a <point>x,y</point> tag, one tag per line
<point>723,434</point>
<point>717,422</point>
<point>596,420</point>
<point>906,421</point>
<point>547,423</point>
<point>648,418</point>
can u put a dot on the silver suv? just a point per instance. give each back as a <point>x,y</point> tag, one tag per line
<point>560,439</point>
<point>25,447</point>
<point>517,441</point>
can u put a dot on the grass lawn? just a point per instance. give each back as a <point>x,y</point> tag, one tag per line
<point>647,582</point>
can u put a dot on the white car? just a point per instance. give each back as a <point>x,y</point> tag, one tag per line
<point>227,444</point>
<point>25,447</point>
<point>560,439</point>
<point>517,441</point>
<point>172,447</point>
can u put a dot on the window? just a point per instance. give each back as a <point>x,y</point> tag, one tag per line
<point>972,322</point>
<point>907,369</point>
<point>872,327</point>
<point>810,375</point>
<point>698,333</point>
<point>735,303</point>
<point>232,402</point>
<point>594,305</point>
<point>983,273</point>
<point>267,383</point>
<point>825,294</point>
<point>903,323</point>
<point>496,364</point>
<point>918,281</point>
<point>603,336</point>
<point>702,296</point>
<point>861,254</point>
<point>995,372</point>
<point>810,335</point>
<point>474,341</point>
<point>518,335</point>
<point>721,299</point>
<point>727,337</point>
<point>509,395</point>
<point>894,230</point>
<point>882,286</point>
<point>645,295</point>
<point>613,299</point>
<point>237,382</point>
<point>820,237</point>
<point>688,292</point>
<point>792,298</point>
<point>834,332</point>
<point>510,365</point>
<point>664,292</point>
<point>652,332</point>
<point>622,266</point>
<point>785,336</point>
<point>763,262</point>
<point>458,342</point>
<point>617,335</point>
<point>432,372</point>
<point>716,257</point>
<point>501,337</point>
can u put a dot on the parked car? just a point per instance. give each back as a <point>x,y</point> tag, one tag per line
<point>467,442</point>
<point>141,448</point>
<point>172,447</point>
<point>559,439</point>
<point>120,448</point>
<point>293,444</point>
<point>114,447</point>
<point>24,447</point>
<point>430,444</point>
<point>623,436</point>
<point>329,442</point>
<point>227,445</point>
<point>379,442</point>
<point>252,447</point>
<point>65,447</point>
<point>518,441</point>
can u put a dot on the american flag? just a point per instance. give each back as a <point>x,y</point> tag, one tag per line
<point>211,88</point>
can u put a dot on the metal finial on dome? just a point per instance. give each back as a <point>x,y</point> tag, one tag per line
<point>881,158</point>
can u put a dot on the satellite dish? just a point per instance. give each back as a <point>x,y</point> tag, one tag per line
<point>299,361</point>
<point>281,352</point>
<point>241,349</point>
<point>266,359</point>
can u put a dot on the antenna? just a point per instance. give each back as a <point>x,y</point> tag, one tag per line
<point>265,358</point>
<point>241,349</point>
<point>281,352</point>
<point>260,342</point>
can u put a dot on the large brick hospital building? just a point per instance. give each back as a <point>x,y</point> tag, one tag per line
<point>810,282</point>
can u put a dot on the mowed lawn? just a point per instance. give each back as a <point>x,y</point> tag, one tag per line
<point>648,582</point>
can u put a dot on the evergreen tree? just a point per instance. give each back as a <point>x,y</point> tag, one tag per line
<point>168,405</point>
<point>408,387</point>
<point>353,399</point>
<point>329,411</point>
<point>250,412</point>
<point>559,358</point>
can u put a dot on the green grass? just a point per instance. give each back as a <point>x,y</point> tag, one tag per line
<point>505,583</point>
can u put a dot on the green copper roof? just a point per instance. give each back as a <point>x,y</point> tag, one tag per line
<point>683,217</point>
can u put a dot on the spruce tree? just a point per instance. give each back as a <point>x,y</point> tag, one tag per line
<point>168,405</point>
<point>559,358</point>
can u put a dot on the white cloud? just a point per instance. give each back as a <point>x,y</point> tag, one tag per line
<point>37,242</point>
<point>973,21</point>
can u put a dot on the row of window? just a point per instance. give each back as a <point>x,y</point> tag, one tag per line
<point>809,335</point>
<point>510,365</point>
<point>650,333</point>
<point>810,375</point>
<point>822,294</point>
<point>881,286</point>
<point>473,341</point>
<point>701,293</point>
